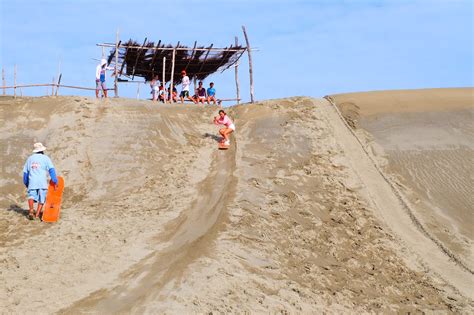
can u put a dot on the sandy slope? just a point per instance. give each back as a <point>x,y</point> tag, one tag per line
<point>156,219</point>
<point>425,140</point>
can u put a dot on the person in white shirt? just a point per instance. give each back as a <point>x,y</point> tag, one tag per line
<point>185,83</point>
<point>100,78</point>
<point>154,88</point>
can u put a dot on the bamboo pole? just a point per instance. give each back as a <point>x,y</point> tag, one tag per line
<point>237,73</point>
<point>59,78</point>
<point>4,83</point>
<point>50,85</point>
<point>54,84</point>
<point>176,48</point>
<point>14,81</point>
<point>249,52</point>
<point>58,85</point>
<point>152,60</point>
<point>205,58</point>
<point>192,56</point>
<point>172,70</point>
<point>138,57</point>
<point>116,63</point>
<point>164,80</point>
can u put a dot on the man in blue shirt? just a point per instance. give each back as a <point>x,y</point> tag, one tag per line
<point>35,172</point>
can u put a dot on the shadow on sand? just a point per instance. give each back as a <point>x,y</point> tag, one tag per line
<point>19,210</point>
<point>213,136</point>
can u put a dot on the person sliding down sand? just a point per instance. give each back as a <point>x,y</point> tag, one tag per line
<point>223,119</point>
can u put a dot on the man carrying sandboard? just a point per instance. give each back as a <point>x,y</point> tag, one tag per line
<point>229,127</point>
<point>35,172</point>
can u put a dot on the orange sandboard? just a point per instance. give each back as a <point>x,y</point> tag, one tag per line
<point>52,206</point>
<point>222,146</point>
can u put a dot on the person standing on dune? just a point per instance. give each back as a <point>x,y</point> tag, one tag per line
<point>35,178</point>
<point>185,83</point>
<point>100,78</point>
<point>229,126</point>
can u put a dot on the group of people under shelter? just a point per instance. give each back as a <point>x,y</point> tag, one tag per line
<point>201,94</point>
<point>158,90</point>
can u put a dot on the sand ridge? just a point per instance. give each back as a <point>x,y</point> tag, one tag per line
<point>279,223</point>
<point>426,148</point>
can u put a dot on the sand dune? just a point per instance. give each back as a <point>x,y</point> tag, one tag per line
<point>425,138</point>
<point>156,220</point>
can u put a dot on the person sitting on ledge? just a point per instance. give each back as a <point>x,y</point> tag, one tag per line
<point>154,88</point>
<point>201,93</point>
<point>211,94</point>
<point>172,96</point>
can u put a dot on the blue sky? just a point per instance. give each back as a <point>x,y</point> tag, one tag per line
<point>308,48</point>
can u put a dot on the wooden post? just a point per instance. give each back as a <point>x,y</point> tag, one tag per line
<point>172,70</point>
<point>139,52</point>
<point>164,80</point>
<point>14,82</point>
<point>138,91</point>
<point>249,52</point>
<point>237,74</point>
<point>4,82</point>
<point>59,77</point>
<point>59,82</point>
<point>116,63</point>
<point>192,56</point>
<point>52,87</point>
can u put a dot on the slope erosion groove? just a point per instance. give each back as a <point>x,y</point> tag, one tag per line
<point>184,239</point>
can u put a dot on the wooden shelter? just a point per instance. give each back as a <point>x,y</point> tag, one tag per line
<point>149,59</point>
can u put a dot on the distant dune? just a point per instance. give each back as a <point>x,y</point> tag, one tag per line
<point>427,138</point>
<point>295,217</point>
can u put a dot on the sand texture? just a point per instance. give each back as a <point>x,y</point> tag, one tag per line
<point>425,141</point>
<point>295,217</point>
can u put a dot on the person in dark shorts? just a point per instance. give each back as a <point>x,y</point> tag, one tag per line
<point>172,96</point>
<point>185,83</point>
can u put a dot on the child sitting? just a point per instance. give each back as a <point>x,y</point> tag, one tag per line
<point>211,94</point>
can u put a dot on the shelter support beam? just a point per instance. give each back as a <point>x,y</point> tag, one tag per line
<point>117,44</point>
<point>163,79</point>
<point>3,81</point>
<point>172,71</point>
<point>14,82</point>
<point>249,52</point>
<point>237,87</point>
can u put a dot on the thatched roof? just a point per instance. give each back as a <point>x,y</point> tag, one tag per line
<point>146,60</point>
